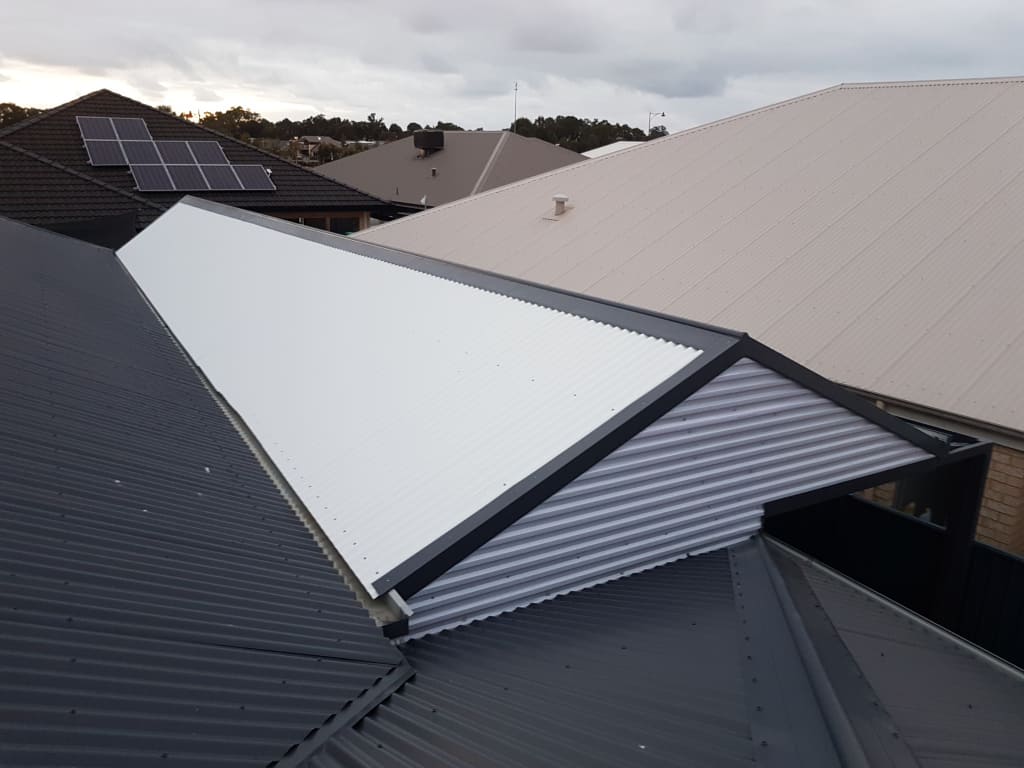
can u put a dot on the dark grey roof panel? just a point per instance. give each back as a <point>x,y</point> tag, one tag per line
<point>640,671</point>
<point>952,706</point>
<point>160,602</point>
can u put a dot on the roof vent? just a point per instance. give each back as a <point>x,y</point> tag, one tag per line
<point>560,201</point>
<point>428,142</point>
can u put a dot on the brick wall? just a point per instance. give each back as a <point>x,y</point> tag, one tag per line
<point>1001,522</point>
<point>880,494</point>
<point>1002,510</point>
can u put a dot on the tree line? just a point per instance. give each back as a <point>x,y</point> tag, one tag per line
<point>577,134</point>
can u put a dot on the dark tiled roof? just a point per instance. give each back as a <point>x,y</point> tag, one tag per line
<point>31,185</point>
<point>646,670</point>
<point>55,136</point>
<point>161,604</point>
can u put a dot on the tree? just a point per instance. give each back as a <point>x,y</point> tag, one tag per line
<point>413,127</point>
<point>239,122</point>
<point>11,113</point>
<point>165,108</point>
<point>658,131</point>
<point>443,126</point>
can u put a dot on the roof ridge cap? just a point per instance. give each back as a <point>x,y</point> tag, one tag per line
<point>5,132</point>
<point>485,172</point>
<point>932,83</point>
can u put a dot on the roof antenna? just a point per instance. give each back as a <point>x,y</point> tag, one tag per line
<point>515,105</point>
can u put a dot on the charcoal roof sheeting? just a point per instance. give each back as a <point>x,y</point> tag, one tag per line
<point>161,603</point>
<point>56,136</point>
<point>690,664</point>
<point>950,705</point>
<point>640,671</point>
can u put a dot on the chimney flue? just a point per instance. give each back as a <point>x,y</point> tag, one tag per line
<point>560,201</point>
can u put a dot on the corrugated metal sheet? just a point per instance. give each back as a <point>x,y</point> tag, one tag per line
<point>396,403</point>
<point>694,480</point>
<point>642,671</point>
<point>160,603</point>
<point>952,706</point>
<point>870,232</point>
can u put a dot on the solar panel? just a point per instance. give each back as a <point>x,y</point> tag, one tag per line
<point>175,152</point>
<point>131,129</point>
<point>152,178</point>
<point>140,152</point>
<point>104,152</point>
<point>253,177</point>
<point>221,177</point>
<point>208,153</point>
<point>96,128</point>
<point>187,178</point>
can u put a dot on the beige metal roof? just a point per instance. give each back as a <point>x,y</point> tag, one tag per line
<point>471,162</point>
<point>873,232</point>
<point>607,149</point>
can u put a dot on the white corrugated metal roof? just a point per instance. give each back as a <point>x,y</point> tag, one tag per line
<point>872,232</point>
<point>396,403</point>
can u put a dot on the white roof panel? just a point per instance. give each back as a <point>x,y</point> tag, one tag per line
<point>396,403</point>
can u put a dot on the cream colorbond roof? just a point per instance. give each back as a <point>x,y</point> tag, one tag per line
<point>872,232</point>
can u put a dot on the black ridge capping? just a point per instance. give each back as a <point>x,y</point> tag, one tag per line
<point>351,713</point>
<point>788,725</point>
<point>875,729</point>
<point>720,347</point>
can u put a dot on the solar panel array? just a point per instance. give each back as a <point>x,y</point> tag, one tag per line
<point>167,166</point>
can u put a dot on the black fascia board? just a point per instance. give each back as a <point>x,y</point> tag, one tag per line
<point>443,553</point>
<point>955,456</point>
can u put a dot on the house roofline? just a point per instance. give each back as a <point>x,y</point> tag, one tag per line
<point>721,348</point>
<point>106,91</point>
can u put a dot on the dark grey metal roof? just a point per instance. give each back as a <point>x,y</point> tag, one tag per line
<point>161,603</point>
<point>949,703</point>
<point>647,670</point>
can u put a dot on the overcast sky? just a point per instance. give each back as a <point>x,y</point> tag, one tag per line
<point>457,60</point>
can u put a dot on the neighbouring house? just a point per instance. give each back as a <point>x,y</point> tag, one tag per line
<point>87,167</point>
<point>432,167</point>
<point>607,149</point>
<point>868,231</point>
<point>309,148</point>
<point>191,549</point>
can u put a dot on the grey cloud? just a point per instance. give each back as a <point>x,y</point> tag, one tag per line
<point>545,37</point>
<point>432,62</point>
<point>664,77</point>
<point>408,59</point>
